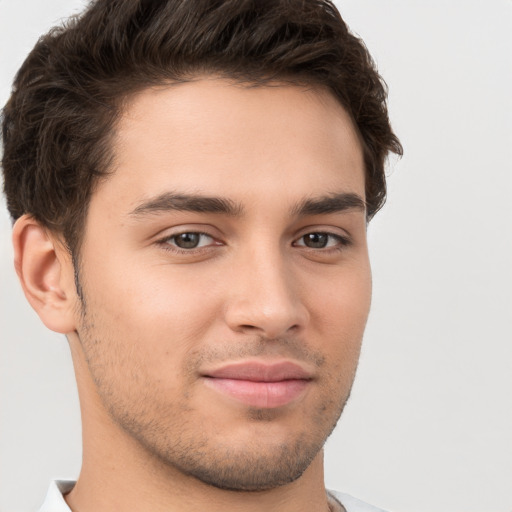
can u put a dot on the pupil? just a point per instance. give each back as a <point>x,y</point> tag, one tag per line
<point>316,240</point>
<point>187,240</point>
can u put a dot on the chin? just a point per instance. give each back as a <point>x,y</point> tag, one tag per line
<point>254,473</point>
<point>258,462</point>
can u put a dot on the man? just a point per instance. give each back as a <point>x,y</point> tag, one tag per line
<point>191,183</point>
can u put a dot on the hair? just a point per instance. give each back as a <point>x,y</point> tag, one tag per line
<point>58,124</point>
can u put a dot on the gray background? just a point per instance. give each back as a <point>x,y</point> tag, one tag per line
<point>429,424</point>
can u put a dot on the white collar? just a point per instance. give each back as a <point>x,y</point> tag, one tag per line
<point>54,501</point>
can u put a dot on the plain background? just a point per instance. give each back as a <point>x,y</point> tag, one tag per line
<point>429,424</point>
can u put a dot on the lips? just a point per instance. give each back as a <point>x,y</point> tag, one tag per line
<point>258,384</point>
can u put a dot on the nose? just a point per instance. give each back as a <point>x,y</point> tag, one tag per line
<point>265,297</point>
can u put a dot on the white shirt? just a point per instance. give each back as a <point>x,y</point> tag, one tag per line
<point>55,502</point>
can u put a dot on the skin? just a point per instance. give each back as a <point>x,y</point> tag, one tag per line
<point>155,318</point>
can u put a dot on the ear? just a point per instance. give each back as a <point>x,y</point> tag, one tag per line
<point>45,270</point>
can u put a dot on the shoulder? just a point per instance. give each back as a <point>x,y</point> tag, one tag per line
<point>352,504</point>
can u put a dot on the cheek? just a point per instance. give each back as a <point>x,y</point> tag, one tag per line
<point>344,295</point>
<point>157,315</point>
<point>339,313</point>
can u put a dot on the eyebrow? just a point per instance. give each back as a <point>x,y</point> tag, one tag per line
<point>169,201</point>
<point>333,203</point>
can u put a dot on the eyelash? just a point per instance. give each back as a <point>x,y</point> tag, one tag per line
<point>166,243</point>
<point>342,242</point>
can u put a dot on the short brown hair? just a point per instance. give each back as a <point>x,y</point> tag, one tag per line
<point>70,90</point>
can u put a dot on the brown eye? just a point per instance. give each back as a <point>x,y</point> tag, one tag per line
<point>187,240</point>
<point>321,240</point>
<point>316,240</point>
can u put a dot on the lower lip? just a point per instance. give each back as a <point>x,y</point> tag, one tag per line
<point>265,395</point>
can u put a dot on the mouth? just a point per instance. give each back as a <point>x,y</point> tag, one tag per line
<point>259,384</point>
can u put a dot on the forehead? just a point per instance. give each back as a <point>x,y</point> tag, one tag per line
<point>222,138</point>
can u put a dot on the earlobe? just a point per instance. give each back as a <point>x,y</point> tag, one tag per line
<point>45,270</point>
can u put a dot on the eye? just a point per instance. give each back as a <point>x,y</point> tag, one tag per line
<point>189,240</point>
<point>320,240</point>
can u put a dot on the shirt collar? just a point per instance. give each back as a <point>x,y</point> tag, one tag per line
<point>54,501</point>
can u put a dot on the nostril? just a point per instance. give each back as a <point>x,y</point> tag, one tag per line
<point>249,327</point>
<point>268,332</point>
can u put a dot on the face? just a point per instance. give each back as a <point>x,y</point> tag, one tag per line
<point>225,278</point>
